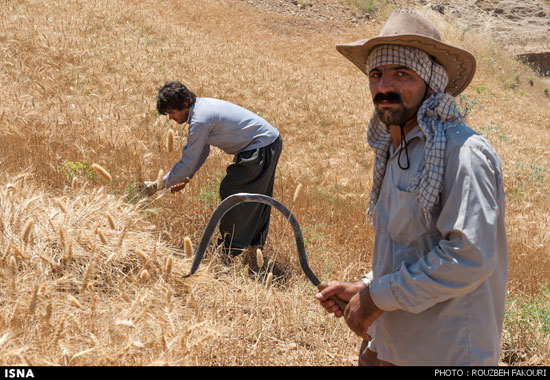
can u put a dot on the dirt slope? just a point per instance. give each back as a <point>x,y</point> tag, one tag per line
<point>521,26</point>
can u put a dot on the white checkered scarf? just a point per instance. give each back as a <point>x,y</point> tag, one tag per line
<point>434,116</point>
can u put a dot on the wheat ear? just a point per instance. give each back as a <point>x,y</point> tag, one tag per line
<point>102,172</point>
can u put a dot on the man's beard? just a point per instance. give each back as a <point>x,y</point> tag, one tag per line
<point>398,116</point>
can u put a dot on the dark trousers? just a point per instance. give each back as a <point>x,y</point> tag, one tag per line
<point>252,171</point>
<point>368,358</point>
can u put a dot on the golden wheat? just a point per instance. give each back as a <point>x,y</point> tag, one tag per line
<point>111,221</point>
<point>297,193</point>
<point>144,275</point>
<point>74,183</point>
<point>27,230</point>
<point>159,178</point>
<point>92,104</point>
<point>101,236</point>
<point>259,258</point>
<point>102,172</point>
<point>170,140</point>
<point>188,247</point>
<point>269,280</point>
<point>168,267</point>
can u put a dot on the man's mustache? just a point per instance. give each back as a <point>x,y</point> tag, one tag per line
<point>392,97</point>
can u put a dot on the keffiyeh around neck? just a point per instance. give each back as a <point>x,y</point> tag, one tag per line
<point>435,115</point>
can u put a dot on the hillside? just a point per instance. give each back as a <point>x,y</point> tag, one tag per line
<point>90,271</point>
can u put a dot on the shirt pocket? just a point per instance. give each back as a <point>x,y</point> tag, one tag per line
<point>404,218</point>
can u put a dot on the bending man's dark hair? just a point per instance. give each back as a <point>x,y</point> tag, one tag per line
<point>174,96</point>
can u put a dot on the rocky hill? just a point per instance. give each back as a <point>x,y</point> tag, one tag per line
<point>521,27</point>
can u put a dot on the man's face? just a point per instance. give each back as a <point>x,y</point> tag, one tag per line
<point>179,116</point>
<point>397,92</point>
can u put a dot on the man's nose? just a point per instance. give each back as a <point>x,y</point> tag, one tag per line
<point>386,84</point>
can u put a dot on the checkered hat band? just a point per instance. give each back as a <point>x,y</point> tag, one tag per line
<point>431,72</point>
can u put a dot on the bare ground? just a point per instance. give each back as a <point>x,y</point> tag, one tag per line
<point>521,26</point>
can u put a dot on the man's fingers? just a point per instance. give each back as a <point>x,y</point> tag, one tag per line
<point>179,186</point>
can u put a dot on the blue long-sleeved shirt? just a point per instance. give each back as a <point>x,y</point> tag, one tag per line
<point>442,283</point>
<point>222,124</point>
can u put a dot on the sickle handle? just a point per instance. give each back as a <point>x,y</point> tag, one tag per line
<point>340,302</point>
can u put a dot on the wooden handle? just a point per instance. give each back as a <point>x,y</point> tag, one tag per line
<point>340,302</point>
<point>179,186</point>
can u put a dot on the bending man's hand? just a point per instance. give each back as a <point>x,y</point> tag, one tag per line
<point>149,188</point>
<point>360,312</point>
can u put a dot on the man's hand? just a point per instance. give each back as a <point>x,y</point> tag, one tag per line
<point>179,186</point>
<point>149,188</point>
<point>361,312</point>
<point>343,290</point>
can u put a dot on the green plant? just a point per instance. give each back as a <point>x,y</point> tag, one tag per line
<point>77,169</point>
<point>367,6</point>
<point>526,326</point>
<point>131,191</point>
<point>466,106</point>
<point>210,196</point>
<point>494,130</point>
<point>537,173</point>
<point>481,90</point>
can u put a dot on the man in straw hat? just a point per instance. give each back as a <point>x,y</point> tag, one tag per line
<point>436,293</point>
<point>255,144</point>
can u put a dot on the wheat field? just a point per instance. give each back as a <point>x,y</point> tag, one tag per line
<point>91,272</point>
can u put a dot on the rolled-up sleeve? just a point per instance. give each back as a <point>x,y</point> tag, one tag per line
<point>466,254</point>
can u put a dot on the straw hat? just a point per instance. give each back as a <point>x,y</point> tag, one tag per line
<point>410,29</point>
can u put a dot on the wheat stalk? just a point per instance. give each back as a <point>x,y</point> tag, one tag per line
<point>188,247</point>
<point>159,178</point>
<point>297,193</point>
<point>168,267</point>
<point>170,140</point>
<point>27,230</point>
<point>102,172</point>
<point>144,275</point>
<point>111,221</point>
<point>73,301</point>
<point>101,236</point>
<point>269,280</point>
<point>259,258</point>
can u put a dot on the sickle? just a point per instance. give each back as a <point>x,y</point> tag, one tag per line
<point>235,199</point>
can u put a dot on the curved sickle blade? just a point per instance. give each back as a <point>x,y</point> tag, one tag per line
<point>232,201</point>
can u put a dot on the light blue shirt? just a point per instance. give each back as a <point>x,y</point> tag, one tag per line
<point>222,124</point>
<point>442,283</point>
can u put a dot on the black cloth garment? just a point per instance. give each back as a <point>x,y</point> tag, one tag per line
<point>247,224</point>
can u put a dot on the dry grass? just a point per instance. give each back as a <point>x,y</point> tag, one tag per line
<point>91,275</point>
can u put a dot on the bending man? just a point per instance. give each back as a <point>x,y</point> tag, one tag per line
<point>255,144</point>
